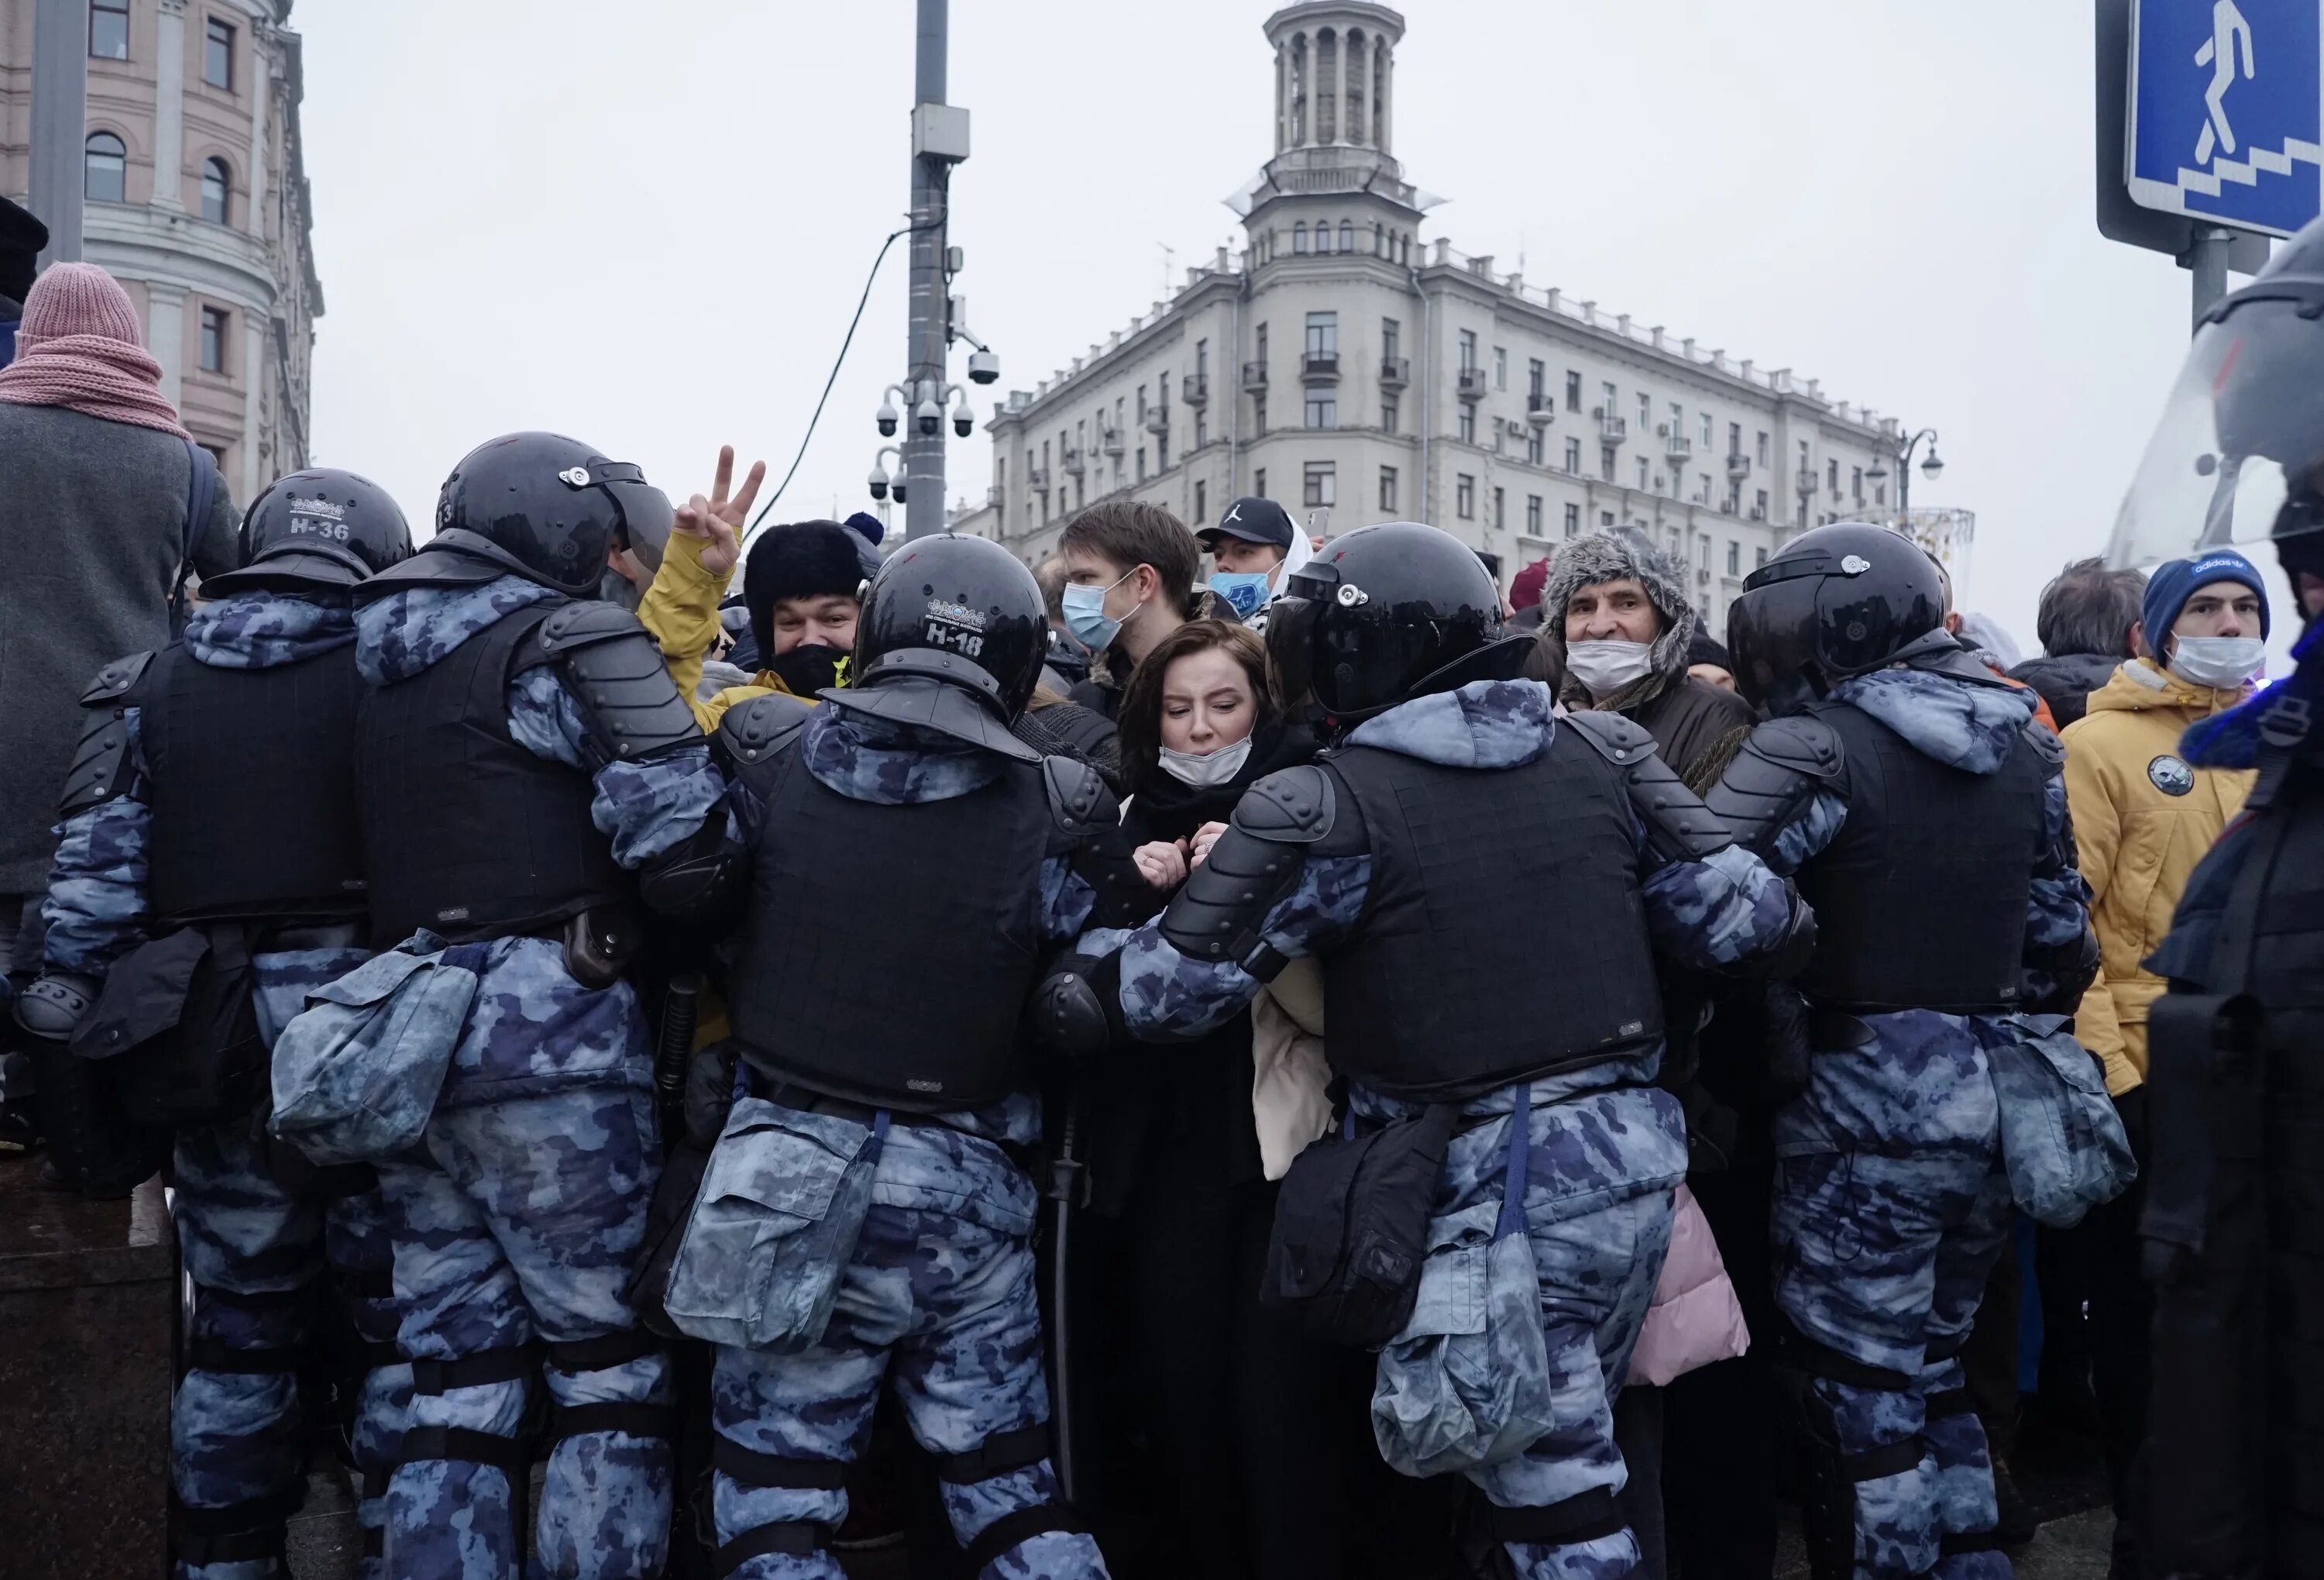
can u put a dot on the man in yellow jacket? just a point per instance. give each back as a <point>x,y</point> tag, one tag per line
<point>2142,819</point>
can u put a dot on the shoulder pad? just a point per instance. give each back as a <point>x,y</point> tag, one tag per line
<point>1078,797</point>
<point>1803,744</point>
<point>1292,806</point>
<point>2049,750</point>
<point>117,679</point>
<point>615,670</point>
<point>1621,741</point>
<point>759,726</point>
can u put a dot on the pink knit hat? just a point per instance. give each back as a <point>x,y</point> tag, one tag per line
<point>77,299</point>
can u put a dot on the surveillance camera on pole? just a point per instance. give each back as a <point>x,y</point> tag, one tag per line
<point>887,417</point>
<point>929,416</point>
<point>880,482</point>
<point>983,368</point>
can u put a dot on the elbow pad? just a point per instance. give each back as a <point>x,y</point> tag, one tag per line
<point>1076,1012</point>
<point>630,707</point>
<point>689,882</point>
<point>102,767</point>
<point>1280,822</point>
<point>1782,766</point>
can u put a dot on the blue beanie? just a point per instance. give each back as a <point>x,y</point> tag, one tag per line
<point>2175,581</point>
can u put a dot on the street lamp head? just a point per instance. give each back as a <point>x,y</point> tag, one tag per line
<point>1879,472</point>
<point>1933,467</point>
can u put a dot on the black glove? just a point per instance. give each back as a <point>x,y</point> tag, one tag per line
<point>1077,1009</point>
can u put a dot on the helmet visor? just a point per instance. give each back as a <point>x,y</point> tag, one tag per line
<point>1291,649</point>
<point>646,517</point>
<point>2239,438</point>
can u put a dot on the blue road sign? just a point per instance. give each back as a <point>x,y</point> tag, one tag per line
<point>2226,111</point>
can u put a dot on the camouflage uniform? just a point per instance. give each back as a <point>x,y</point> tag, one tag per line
<point>1891,1202</point>
<point>939,1298</point>
<point>1606,1148</point>
<point>253,1244</point>
<point>519,1217</point>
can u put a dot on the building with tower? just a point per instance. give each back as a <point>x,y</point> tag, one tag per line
<point>1339,362</point>
<point>196,188</point>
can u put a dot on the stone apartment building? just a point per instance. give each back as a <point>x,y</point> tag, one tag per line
<point>198,202</point>
<point>1339,363</point>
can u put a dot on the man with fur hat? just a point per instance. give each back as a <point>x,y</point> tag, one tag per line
<point>1616,625</point>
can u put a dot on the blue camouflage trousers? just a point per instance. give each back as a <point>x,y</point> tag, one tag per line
<point>1882,1258</point>
<point>255,1250</point>
<point>516,1222</point>
<point>938,1302</point>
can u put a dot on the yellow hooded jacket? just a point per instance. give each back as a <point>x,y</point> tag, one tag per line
<point>2143,817</point>
<point>681,609</point>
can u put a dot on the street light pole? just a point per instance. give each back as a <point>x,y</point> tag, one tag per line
<point>924,443</point>
<point>1906,448</point>
<point>60,123</point>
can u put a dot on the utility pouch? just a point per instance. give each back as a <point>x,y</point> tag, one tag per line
<point>1352,1229</point>
<point>177,1028</point>
<point>2061,1140</point>
<point>774,1222</point>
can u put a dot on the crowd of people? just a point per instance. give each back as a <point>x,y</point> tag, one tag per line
<point>1326,1068</point>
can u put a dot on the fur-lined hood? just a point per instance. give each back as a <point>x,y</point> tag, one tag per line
<point>1610,556</point>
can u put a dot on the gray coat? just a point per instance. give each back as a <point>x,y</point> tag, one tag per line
<point>92,514</point>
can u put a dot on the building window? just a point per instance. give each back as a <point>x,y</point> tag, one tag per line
<point>1468,351</point>
<point>1464,496</point>
<point>1536,442</point>
<point>1467,431</point>
<point>1258,412</point>
<point>1322,334</point>
<point>1642,473</point>
<point>1388,413</point>
<point>1856,483</point>
<point>1880,493</point>
<point>1763,450</point>
<point>1610,400</point>
<point>218,55</point>
<point>1391,336</point>
<point>1388,491</point>
<point>1573,456</point>
<point>1646,415</point>
<point>1202,501</point>
<point>108,30</point>
<point>1706,434</point>
<point>214,331</point>
<point>1574,521</point>
<point>1500,368</point>
<point>1572,391</point>
<point>1734,557</point>
<point>1533,515</point>
<point>1759,560</point>
<point>1322,483</point>
<point>105,169</point>
<point>1605,518</point>
<point>216,186</point>
<point>1536,378</point>
<point>1734,438</point>
<point>1258,483</point>
<point>1347,236</point>
<point>1299,237</point>
<point>1323,409</point>
<point>1831,478</point>
<point>1606,462</point>
<point>1141,462</point>
<point>1760,506</point>
<point>1703,550</point>
<point>216,453</point>
<point>1202,428</point>
<point>1501,509</point>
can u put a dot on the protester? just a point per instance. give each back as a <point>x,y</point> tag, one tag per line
<point>1615,639</point>
<point>1130,582</point>
<point>100,476</point>
<point>1068,663</point>
<point>1524,595</point>
<point>164,845</point>
<point>1708,663</point>
<point>2143,817</point>
<point>1255,549</point>
<point>21,237</point>
<point>2087,622</point>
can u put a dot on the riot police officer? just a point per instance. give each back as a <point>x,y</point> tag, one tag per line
<point>902,861</point>
<point>1924,816</point>
<point>1457,838</point>
<point>209,826</point>
<point>519,748</point>
<point>2235,1416</point>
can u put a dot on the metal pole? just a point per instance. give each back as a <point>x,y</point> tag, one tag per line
<point>60,123</point>
<point>2208,258</point>
<point>1904,481</point>
<point>924,453</point>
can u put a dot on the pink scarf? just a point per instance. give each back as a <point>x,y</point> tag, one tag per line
<point>92,373</point>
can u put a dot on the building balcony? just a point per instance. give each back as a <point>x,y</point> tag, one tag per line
<point>1471,386</point>
<point>1320,367</point>
<point>1395,372</point>
<point>1110,442</point>
<point>1254,378</point>
<point>1805,482</point>
<point>1071,461</point>
<point>1611,429</point>
<point>1541,409</point>
<point>1196,389</point>
<point>1738,466</point>
<point>1678,447</point>
<point>1036,478</point>
<point>1157,420</point>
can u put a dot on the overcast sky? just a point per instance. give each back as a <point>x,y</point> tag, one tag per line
<point>645,224</point>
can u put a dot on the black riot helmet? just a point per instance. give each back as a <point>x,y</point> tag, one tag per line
<point>2237,456</point>
<point>547,508</point>
<point>1384,614</point>
<point>322,527</point>
<point>951,639</point>
<point>1833,602</point>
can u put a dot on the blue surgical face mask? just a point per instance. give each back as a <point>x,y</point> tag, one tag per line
<point>1085,615</point>
<point>1246,590</point>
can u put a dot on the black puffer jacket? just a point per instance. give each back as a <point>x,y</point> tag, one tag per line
<point>2065,681</point>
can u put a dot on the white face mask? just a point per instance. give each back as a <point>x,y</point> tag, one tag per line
<point>1203,769</point>
<point>2223,663</point>
<point>1604,668</point>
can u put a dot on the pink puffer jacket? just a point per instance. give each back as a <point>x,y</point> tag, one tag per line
<point>1695,1319</point>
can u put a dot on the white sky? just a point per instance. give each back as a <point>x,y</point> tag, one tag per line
<point>645,224</point>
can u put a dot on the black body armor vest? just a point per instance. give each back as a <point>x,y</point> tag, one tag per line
<point>1920,900</point>
<point>251,781</point>
<point>1482,881</point>
<point>913,1005</point>
<point>464,831</point>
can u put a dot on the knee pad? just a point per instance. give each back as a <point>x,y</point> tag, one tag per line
<point>237,1533</point>
<point>1828,1500</point>
<point>999,1454</point>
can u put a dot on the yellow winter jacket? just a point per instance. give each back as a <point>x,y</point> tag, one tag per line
<point>2142,819</point>
<point>681,610</point>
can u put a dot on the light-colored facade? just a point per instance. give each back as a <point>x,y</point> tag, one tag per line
<point>197,203</point>
<point>1339,362</point>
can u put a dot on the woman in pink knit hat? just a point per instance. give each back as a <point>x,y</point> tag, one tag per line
<point>96,483</point>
